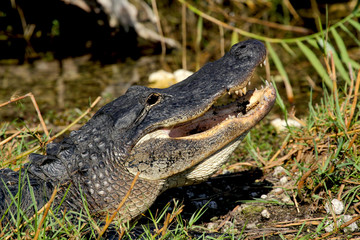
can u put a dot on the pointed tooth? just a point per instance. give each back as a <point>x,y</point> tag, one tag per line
<point>264,62</point>
<point>249,83</point>
<point>267,83</point>
<point>237,92</point>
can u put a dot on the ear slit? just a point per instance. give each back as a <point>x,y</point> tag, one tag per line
<point>153,98</point>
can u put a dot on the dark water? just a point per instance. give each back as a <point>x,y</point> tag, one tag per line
<point>72,84</point>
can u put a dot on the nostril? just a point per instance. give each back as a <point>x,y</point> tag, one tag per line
<point>242,46</point>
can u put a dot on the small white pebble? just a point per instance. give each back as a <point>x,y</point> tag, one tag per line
<point>337,205</point>
<point>278,171</point>
<point>280,125</point>
<point>251,226</point>
<point>160,75</point>
<point>341,220</point>
<point>211,226</point>
<point>329,226</point>
<point>286,199</point>
<point>265,214</point>
<point>352,227</point>
<point>283,180</point>
<point>264,196</point>
<point>278,190</point>
<point>161,79</point>
<point>181,74</point>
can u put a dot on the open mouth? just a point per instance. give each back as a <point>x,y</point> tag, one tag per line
<point>245,104</point>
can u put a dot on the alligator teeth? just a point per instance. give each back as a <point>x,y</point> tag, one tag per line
<point>244,90</point>
<point>254,100</point>
<point>237,92</point>
<point>230,117</point>
<point>249,83</point>
<point>264,62</point>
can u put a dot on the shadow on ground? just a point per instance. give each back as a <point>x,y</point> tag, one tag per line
<point>221,194</point>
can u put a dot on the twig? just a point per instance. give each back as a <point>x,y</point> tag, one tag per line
<point>267,68</point>
<point>296,203</point>
<point>169,219</point>
<point>280,160</point>
<point>11,137</point>
<point>55,136</point>
<point>355,99</point>
<point>108,221</point>
<point>35,106</point>
<point>342,186</point>
<point>351,182</point>
<point>39,114</point>
<point>222,40</point>
<point>292,10</point>
<point>166,224</point>
<point>312,222</point>
<point>46,207</point>
<point>354,219</point>
<point>283,145</point>
<point>158,25</point>
<point>183,32</point>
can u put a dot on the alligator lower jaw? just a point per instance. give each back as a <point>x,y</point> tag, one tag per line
<point>245,112</point>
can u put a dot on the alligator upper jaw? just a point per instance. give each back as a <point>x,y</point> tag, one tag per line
<point>247,107</point>
<point>169,151</point>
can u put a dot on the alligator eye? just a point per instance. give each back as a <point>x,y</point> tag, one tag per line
<point>153,99</point>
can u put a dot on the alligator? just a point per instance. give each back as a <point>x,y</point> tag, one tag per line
<point>169,137</point>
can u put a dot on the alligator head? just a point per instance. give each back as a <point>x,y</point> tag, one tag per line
<point>171,137</point>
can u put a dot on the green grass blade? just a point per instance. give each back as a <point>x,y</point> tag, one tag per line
<point>355,24</point>
<point>345,29</point>
<point>288,49</point>
<point>357,7</point>
<point>316,63</point>
<point>234,38</point>
<point>280,102</point>
<point>343,52</point>
<point>199,30</point>
<point>281,69</point>
<point>338,64</point>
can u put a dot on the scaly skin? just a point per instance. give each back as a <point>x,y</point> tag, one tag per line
<point>172,137</point>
